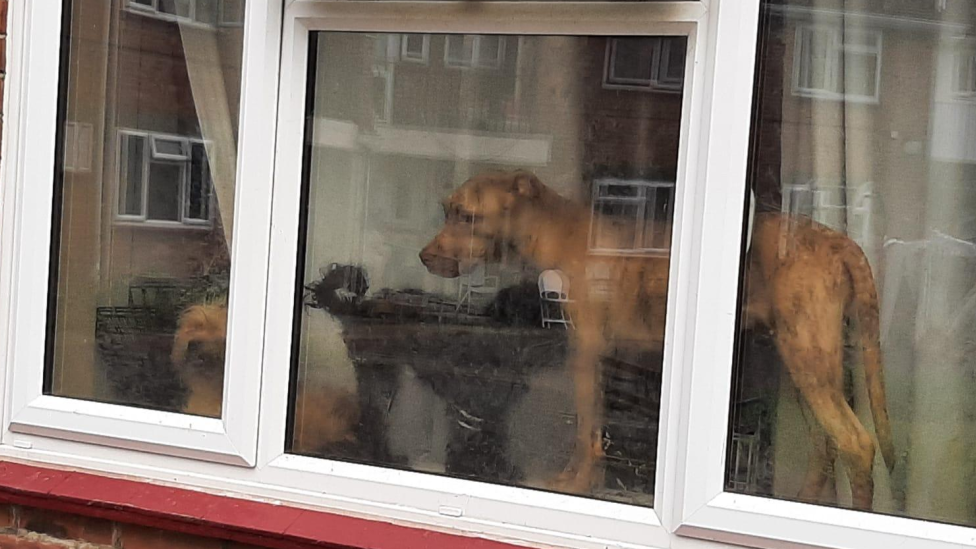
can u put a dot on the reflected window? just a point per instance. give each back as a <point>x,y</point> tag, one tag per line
<point>415,47</point>
<point>172,172</point>
<point>645,63</point>
<point>964,73</point>
<point>78,146</point>
<point>833,63</point>
<point>477,51</point>
<point>635,208</point>
<point>195,11</point>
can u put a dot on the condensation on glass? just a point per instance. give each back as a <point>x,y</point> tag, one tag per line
<point>486,256</point>
<point>144,202</point>
<point>856,367</point>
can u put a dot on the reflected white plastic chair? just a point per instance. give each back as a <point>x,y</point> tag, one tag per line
<point>553,295</point>
<point>476,282</point>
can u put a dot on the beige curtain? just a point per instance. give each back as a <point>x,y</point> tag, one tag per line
<point>206,68</point>
<point>896,174</point>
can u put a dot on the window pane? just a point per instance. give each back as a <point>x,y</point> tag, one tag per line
<point>469,340</point>
<point>165,181</point>
<point>206,11</point>
<point>631,59</point>
<point>490,50</point>
<point>860,74</point>
<point>198,190</point>
<point>170,149</point>
<point>142,266</point>
<point>133,176</point>
<point>180,8</point>
<point>674,61</point>
<point>413,46</point>
<point>460,50</point>
<point>231,12</point>
<point>853,381</point>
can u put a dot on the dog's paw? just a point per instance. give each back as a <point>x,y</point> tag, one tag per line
<point>573,481</point>
<point>346,296</point>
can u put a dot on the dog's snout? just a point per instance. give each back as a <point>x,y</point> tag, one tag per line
<point>427,254</point>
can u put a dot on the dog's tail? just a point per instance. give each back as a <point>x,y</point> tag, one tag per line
<point>865,311</point>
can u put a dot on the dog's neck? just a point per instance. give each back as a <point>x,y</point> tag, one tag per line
<point>550,231</point>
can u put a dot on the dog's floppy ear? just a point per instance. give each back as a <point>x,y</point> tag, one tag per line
<point>526,184</point>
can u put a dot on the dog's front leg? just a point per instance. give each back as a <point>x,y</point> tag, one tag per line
<point>585,466</point>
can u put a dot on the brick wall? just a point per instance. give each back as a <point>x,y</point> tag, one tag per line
<point>31,528</point>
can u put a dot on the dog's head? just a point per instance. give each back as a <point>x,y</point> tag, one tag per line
<point>477,221</point>
<point>201,337</point>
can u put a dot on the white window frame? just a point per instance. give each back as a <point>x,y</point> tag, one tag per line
<point>195,452</point>
<point>150,154</point>
<point>837,50</point>
<point>475,62</point>
<point>30,415</point>
<point>659,66</point>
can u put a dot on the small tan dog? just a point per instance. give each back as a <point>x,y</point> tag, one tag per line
<point>198,355</point>
<point>326,414</point>
<point>800,287</point>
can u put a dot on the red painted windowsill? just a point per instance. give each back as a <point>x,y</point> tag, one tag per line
<point>208,515</point>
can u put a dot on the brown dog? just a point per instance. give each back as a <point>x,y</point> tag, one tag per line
<point>198,355</point>
<point>800,287</point>
<point>326,414</point>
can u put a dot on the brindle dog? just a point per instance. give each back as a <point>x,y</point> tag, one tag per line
<point>804,280</point>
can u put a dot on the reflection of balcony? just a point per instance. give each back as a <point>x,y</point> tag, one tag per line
<point>445,144</point>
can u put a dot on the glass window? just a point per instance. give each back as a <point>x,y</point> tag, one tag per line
<point>837,61</point>
<point>197,201</point>
<point>645,63</point>
<point>77,146</point>
<point>855,363</point>
<point>132,174</point>
<point>459,50</point>
<point>205,12</point>
<point>164,184</point>
<point>164,148</point>
<point>415,47</point>
<point>231,12</point>
<point>141,270</point>
<point>484,273</point>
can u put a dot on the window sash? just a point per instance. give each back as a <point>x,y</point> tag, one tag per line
<point>478,506</point>
<point>27,223</point>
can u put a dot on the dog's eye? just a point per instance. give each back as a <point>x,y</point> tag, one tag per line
<point>466,218</point>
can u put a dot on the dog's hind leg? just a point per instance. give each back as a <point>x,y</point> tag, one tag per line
<point>820,469</point>
<point>808,324</point>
